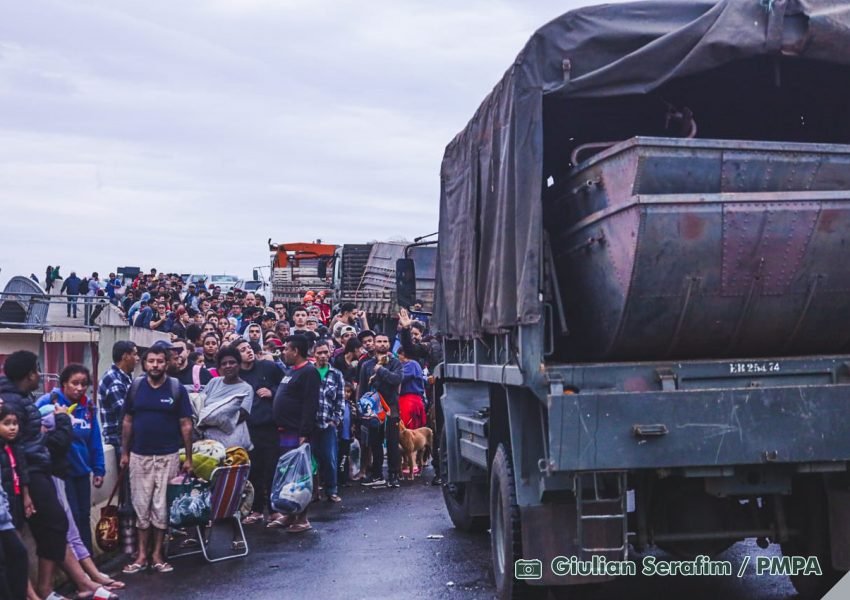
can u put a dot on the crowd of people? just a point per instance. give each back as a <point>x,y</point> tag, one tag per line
<point>283,380</point>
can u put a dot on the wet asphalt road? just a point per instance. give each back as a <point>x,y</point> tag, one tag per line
<point>374,546</point>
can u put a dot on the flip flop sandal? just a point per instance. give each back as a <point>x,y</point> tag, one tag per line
<point>251,519</point>
<point>163,567</point>
<point>133,568</point>
<point>279,523</point>
<point>114,585</point>
<point>300,528</point>
<point>334,498</point>
<point>55,596</point>
<point>102,593</point>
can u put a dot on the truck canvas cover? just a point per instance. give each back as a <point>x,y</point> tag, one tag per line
<point>494,171</point>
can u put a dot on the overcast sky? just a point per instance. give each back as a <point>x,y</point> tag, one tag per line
<point>183,135</point>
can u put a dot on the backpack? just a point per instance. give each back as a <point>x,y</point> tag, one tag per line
<point>173,383</point>
<point>373,408</point>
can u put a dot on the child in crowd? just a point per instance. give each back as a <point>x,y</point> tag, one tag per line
<point>12,467</point>
<point>196,359</point>
<point>13,479</point>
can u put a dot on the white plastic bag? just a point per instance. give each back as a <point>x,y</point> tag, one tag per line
<point>292,487</point>
<point>354,457</point>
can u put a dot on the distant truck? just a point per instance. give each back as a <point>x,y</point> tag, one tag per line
<point>364,274</point>
<point>644,292</point>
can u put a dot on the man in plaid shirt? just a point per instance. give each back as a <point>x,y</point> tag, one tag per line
<point>113,389</point>
<point>328,419</point>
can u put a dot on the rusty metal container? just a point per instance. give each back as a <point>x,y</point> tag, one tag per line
<point>689,248</point>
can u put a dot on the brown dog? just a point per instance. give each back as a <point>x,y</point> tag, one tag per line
<point>416,447</point>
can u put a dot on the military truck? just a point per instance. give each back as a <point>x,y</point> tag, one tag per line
<point>644,292</point>
<point>364,274</point>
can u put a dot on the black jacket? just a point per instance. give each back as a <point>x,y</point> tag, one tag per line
<point>387,380</point>
<point>8,478</point>
<point>71,285</point>
<point>58,441</point>
<point>30,440</point>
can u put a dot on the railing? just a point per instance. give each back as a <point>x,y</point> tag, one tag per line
<point>34,310</point>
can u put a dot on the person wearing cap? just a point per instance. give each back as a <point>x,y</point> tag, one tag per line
<point>344,334</point>
<point>312,324</point>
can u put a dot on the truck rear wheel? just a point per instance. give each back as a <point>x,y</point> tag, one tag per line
<point>457,498</point>
<point>808,512</point>
<point>506,532</point>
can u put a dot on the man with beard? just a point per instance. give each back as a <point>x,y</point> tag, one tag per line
<point>384,374</point>
<point>254,333</point>
<point>157,422</point>
<point>263,377</point>
<point>180,369</point>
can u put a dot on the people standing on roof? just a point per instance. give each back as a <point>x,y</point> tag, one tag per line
<point>112,285</point>
<point>71,287</point>
<point>48,278</point>
<point>94,285</point>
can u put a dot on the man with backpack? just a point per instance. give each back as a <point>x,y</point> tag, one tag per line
<point>157,422</point>
<point>383,374</point>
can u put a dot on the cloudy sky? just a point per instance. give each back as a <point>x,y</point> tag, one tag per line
<point>185,134</point>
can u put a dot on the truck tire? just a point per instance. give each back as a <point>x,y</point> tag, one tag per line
<point>808,512</point>
<point>456,498</point>
<point>506,532</point>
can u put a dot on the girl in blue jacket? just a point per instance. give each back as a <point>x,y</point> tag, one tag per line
<point>85,457</point>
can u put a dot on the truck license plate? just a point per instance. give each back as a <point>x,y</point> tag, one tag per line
<point>744,368</point>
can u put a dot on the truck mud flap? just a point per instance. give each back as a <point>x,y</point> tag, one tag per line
<point>548,532</point>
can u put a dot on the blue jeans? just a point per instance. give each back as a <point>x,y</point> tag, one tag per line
<point>325,451</point>
<point>72,304</point>
<point>78,490</point>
